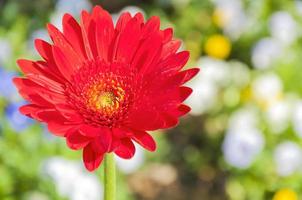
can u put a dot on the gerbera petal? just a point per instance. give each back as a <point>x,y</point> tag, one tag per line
<point>103,142</point>
<point>56,123</point>
<point>169,120</point>
<point>104,34</point>
<point>60,41</point>
<point>85,24</point>
<point>62,63</point>
<point>170,48</point>
<point>75,140</point>
<point>151,26</point>
<point>139,17</point>
<point>68,112</point>
<point>127,44</point>
<point>174,62</point>
<point>72,32</point>
<point>168,34</point>
<point>122,21</point>
<point>30,110</point>
<point>185,92</point>
<point>145,120</point>
<point>148,52</point>
<point>182,77</point>
<point>126,149</point>
<point>30,67</point>
<point>91,158</point>
<point>30,90</point>
<point>181,110</point>
<point>145,140</point>
<point>45,50</point>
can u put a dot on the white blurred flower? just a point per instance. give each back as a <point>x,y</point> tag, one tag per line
<point>265,52</point>
<point>288,158</point>
<point>213,70</point>
<point>241,146</point>
<point>133,10</point>
<point>87,187</point>
<point>232,17</point>
<point>267,88</point>
<point>71,180</point>
<point>283,27</point>
<point>278,115</point>
<point>63,172</point>
<point>133,164</point>
<point>203,98</point>
<point>73,7</point>
<point>244,118</point>
<point>214,75</point>
<point>5,50</point>
<point>297,118</point>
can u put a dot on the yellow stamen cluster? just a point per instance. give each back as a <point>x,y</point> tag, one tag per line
<point>105,97</point>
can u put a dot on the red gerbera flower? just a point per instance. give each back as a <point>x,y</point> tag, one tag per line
<point>102,87</point>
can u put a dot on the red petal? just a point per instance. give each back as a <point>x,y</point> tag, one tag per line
<point>181,110</point>
<point>145,140</point>
<point>37,94</point>
<point>85,25</point>
<point>185,92</point>
<point>73,33</point>
<point>139,17</point>
<point>30,110</point>
<point>30,67</point>
<point>75,140</point>
<point>90,131</point>
<point>59,40</point>
<point>128,42</point>
<point>45,50</point>
<point>126,149</point>
<point>174,63</point>
<point>148,52</point>
<point>104,34</point>
<point>122,21</point>
<point>91,158</point>
<point>168,34</point>
<point>170,120</point>
<point>62,63</point>
<point>145,120</point>
<point>151,26</point>
<point>103,142</point>
<point>170,48</point>
<point>182,77</point>
<point>68,112</point>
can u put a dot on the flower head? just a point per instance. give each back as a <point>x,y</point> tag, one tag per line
<point>102,87</point>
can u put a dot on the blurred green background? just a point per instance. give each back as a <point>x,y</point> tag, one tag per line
<point>242,140</point>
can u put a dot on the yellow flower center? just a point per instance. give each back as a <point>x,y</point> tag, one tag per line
<point>105,98</point>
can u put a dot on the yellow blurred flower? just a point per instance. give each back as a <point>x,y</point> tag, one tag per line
<point>285,194</point>
<point>218,46</point>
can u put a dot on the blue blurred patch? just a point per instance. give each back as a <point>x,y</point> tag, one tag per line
<point>16,120</point>
<point>7,88</point>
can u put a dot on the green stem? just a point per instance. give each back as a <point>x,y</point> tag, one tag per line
<point>109,173</point>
